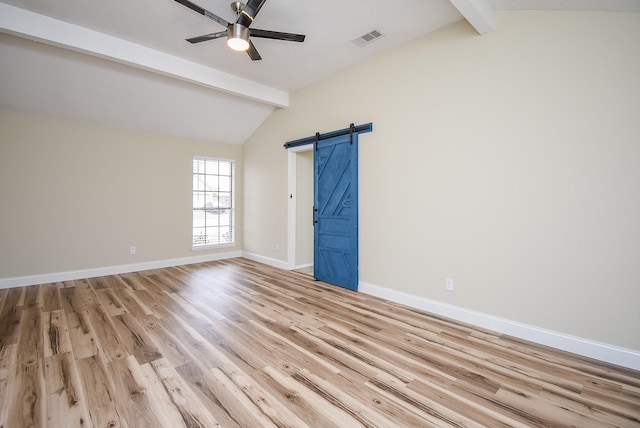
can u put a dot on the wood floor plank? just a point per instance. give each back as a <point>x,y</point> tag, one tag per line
<point>381,403</point>
<point>100,393</point>
<point>197,347</point>
<point>182,397</point>
<point>334,395</point>
<point>83,339</point>
<point>8,363</point>
<point>23,292</point>
<point>374,356</point>
<point>548,413</point>
<point>85,295</point>
<point>307,404</point>
<point>239,344</point>
<point>56,333</point>
<point>50,297</point>
<point>133,281</point>
<point>290,353</point>
<point>111,302</point>
<point>162,282</point>
<point>485,416</point>
<point>66,405</point>
<point>169,346</point>
<point>105,333</point>
<point>332,351</point>
<point>130,393</point>
<point>231,340</point>
<point>203,385</point>
<point>270,406</point>
<point>32,297</point>
<point>160,400</point>
<point>199,300</point>
<point>10,316</point>
<point>615,413</point>
<point>223,398</point>
<point>155,302</point>
<point>3,297</point>
<point>437,411</point>
<point>135,340</point>
<point>29,403</point>
<point>342,316</point>
<point>133,303</point>
<point>190,312</point>
<point>69,300</point>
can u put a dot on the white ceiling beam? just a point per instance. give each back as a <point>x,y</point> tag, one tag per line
<point>478,13</point>
<point>62,34</point>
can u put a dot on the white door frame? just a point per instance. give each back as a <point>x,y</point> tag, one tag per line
<point>292,154</point>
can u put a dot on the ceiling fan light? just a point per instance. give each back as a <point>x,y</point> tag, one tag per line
<point>238,37</point>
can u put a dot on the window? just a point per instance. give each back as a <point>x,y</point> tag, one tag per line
<point>213,202</point>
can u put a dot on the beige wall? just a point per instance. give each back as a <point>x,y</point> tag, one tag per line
<point>508,162</point>
<point>76,196</point>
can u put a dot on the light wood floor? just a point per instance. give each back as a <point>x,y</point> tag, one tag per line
<point>306,270</point>
<point>240,344</point>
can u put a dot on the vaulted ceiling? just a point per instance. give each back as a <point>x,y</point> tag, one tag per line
<point>126,62</point>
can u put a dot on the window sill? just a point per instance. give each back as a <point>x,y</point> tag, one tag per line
<point>212,246</point>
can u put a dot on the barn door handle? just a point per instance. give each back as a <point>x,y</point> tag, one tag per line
<point>315,210</point>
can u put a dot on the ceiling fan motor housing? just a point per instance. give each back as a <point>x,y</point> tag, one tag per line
<point>238,37</point>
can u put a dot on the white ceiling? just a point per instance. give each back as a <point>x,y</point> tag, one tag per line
<point>126,63</point>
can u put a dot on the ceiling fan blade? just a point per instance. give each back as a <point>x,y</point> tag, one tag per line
<point>253,52</point>
<point>203,12</point>
<point>249,12</point>
<point>277,35</point>
<point>206,37</point>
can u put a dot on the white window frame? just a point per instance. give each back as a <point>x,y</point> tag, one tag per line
<point>205,210</point>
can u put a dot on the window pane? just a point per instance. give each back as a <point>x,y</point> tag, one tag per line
<point>225,184</point>
<point>198,200</point>
<point>211,200</point>
<point>198,219</point>
<point>212,182</point>
<point>199,236</point>
<point>212,167</point>
<point>224,200</point>
<point>198,166</point>
<point>213,219</point>
<point>225,234</point>
<point>225,218</point>
<point>212,235</point>
<point>225,168</point>
<point>198,183</point>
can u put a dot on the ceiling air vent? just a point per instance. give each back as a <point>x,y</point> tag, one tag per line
<point>366,39</point>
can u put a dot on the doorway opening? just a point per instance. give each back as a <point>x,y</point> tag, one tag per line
<point>300,210</point>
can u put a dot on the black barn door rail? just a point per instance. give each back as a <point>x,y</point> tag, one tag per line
<point>367,127</point>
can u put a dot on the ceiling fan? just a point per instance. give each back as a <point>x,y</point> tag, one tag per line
<point>238,33</point>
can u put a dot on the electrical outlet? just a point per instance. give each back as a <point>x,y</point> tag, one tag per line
<point>132,250</point>
<point>277,247</point>
<point>449,284</point>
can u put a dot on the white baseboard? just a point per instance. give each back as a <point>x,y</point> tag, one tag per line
<point>601,351</point>
<point>303,266</point>
<point>266,260</point>
<point>112,270</point>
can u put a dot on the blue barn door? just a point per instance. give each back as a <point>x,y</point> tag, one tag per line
<point>335,164</point>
